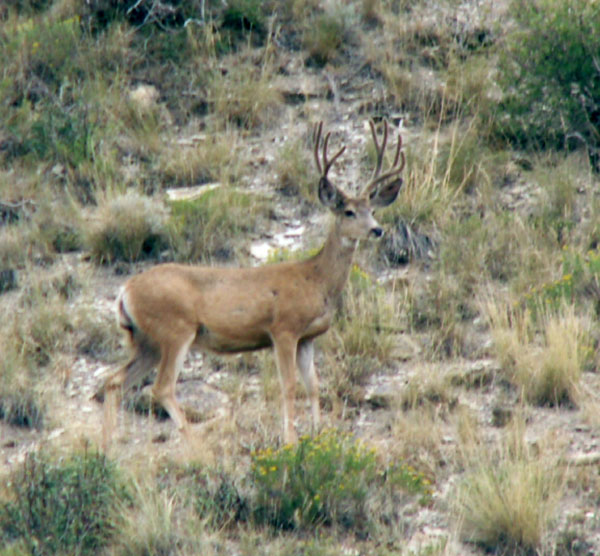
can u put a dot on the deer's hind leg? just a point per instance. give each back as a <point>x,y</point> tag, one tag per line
<point>141,364</point>
<point>171,361</point>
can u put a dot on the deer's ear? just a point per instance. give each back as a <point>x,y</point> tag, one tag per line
<point>330,195</point>
<point>386,194</point>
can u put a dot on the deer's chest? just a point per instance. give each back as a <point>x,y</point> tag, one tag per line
<point>318,326</point>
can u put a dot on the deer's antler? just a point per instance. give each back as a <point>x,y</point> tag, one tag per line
<point>399,158</point>
<point>323,168</point>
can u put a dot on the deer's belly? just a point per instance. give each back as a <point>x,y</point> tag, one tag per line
<point>217,342</point>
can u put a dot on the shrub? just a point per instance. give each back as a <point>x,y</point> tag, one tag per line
<point>346,375</point>
<point>15,245</point>
<point>21,403</point>
<point>325,35</point>
<point>244,15</point>
<point>219,499</point>
<point>549,73</point>
<point>244,96</point>
<point>22,407</point>
<point>58,227</point>
<point>215,159</point>
<point>294,173</point>
<point>97,336</point>
<point>326,480</point>
<point>129,228</point>
<point>43,330</point>
<point>63,506</point>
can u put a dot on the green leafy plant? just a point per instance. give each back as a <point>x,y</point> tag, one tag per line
<point>325,479</point>
<point>580,279</point>
<point>245,15</point>
<point>63,506</point>
<point>549,73</point>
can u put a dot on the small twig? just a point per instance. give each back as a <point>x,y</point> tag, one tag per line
<point>135,6</point>
<point>18,205</point>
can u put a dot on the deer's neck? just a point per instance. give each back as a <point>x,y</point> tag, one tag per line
<point>333,262</point>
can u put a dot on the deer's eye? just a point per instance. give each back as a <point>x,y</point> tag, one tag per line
<point>349,213</point>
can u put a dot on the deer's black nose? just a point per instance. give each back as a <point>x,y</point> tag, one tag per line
<point>377,232</point>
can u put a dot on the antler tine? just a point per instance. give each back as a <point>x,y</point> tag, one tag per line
<point>392,172</point>
<point>399,158</point>
<point>316,139</point>
<point>329,163</point>
<point>379,149</point>
<point>398,152</point>
<point>324,168</point>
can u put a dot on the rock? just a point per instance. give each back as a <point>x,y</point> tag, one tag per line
<point>197,400</point>
<point>480,374</point>
<point>592,458</point>
<point>190,193</point>
<point>405,348</point>
<point>402,244</point>
<point>144,96</point>
<point>501,416</point>
<point>382,394</point>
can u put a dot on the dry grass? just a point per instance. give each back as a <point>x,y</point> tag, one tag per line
<point>510,492</point>
<point>294,171</point>
<point>15,246</point>
<point>244,96</point>
<point>543,357</point>
<point>417,438</point>
<point>151,525</point>
<point>428,388</point>
<point>368,319</point>
<point>207,228</point>
<point>215,158</point>
<point>129,227</point>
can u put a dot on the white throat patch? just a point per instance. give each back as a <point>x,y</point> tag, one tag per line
<point>348,242</point>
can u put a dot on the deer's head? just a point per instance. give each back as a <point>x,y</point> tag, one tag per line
<point>354,215</point>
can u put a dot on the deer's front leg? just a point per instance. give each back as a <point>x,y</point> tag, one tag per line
<point>306,365</point>
<point>285,356</point>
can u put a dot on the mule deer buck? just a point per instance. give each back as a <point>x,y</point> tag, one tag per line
<point>170,308</point>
